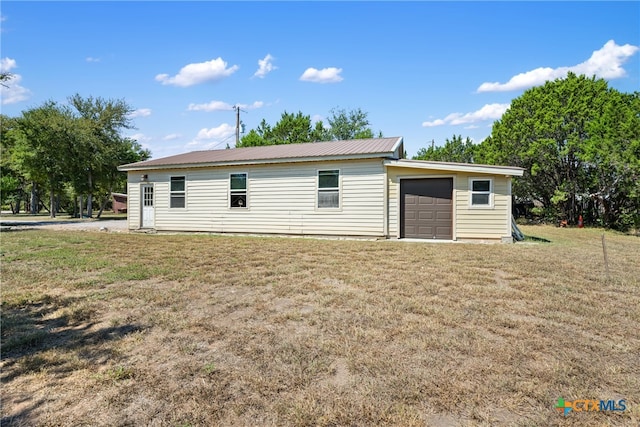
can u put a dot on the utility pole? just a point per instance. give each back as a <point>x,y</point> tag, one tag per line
<point>237,108</point>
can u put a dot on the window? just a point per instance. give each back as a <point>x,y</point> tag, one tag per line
<point>238,190</point>
<point>177,194</point>
<point>329,189</point>
<point>480,192</point>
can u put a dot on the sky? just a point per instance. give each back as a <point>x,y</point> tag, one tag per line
<point>425,71</point>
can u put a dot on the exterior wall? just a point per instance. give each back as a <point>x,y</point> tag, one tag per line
<point>281,199</point>
<point>133,200</point>
<point>484,222</point>
<point>469,223</point>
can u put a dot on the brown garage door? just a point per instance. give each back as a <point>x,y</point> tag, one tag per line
<point>426,208</point>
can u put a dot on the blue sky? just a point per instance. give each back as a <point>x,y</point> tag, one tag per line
<point>421,70</point>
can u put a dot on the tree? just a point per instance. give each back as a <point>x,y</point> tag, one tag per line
<point>612,159</point>
<point>120,151</point>
<point>454,150</point>
<point>290,129</point>
<point>56,149</point>
<point>577,140</point>
<point>12,183</point>
<point>296,128</point>
<point>96,153</point>
<point>345,125</point>
<point>41,151</point>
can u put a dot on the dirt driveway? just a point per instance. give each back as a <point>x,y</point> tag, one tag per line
<point>109,225</point>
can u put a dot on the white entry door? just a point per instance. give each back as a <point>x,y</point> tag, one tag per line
<point>147,206</point>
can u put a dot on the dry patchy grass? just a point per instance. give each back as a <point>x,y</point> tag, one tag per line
<point>195,330</point>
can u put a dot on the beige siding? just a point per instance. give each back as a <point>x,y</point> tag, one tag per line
<point>483,223</point>
<point>133,201</point>
<point>280,198</point>
<point>469,223</point>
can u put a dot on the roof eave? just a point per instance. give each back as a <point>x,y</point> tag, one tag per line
<point>397,147</point>
<point>457,167</point>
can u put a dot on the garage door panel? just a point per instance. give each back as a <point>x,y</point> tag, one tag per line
<point>443,216</point>
<point>425,215</point>
<point>426,201</point>
<point>427,208</point>
<point>423,230</point>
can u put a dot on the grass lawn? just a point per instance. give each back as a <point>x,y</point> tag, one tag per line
<point>198,330</point>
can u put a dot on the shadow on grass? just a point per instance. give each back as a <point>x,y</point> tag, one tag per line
<point>29,330</point>
<point>535,239</point>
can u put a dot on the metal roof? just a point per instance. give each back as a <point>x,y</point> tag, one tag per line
<point>351,149</point>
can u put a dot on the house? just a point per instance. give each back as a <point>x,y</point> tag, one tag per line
<point>338,188</point>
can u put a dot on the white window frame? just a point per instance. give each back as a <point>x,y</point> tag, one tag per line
<point>182,193</point>
<point>236,192</point>
<point>337,189</point>
<point>489,193</point>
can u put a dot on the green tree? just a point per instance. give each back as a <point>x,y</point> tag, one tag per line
<point>290,129</point>
<point>320,133</point>
<point>297,128</point>
<point>252,139</point>
<point>611,157</point>
<point>95,156</point>
<point>12,182</point>
<point>53,148</point>
<point>577,140</point>
<point>42,147</point>
<point>345,125</point>
<point>454,150</point>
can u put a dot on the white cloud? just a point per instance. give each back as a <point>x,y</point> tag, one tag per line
<point>140,138</point>
<point>92,59</point>
<point>487,112</point>
<point>223,106</point>
<point>10,91</point>
<point>211,106</point>
<point>604,63</point>
<point>254,106</point>
<point>141,112</point>
<point>193,74</point>
<point>607,62</point>
<point>171,137</point>
<point>326,75</point>
<point>13,93</point>
<point>434,123</point>
<point>265,66</point>
<point>222,131</point>
<point>7,64</point>
<point>214,138</point>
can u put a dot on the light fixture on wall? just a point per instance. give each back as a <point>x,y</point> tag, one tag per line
<point>144,177</point>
